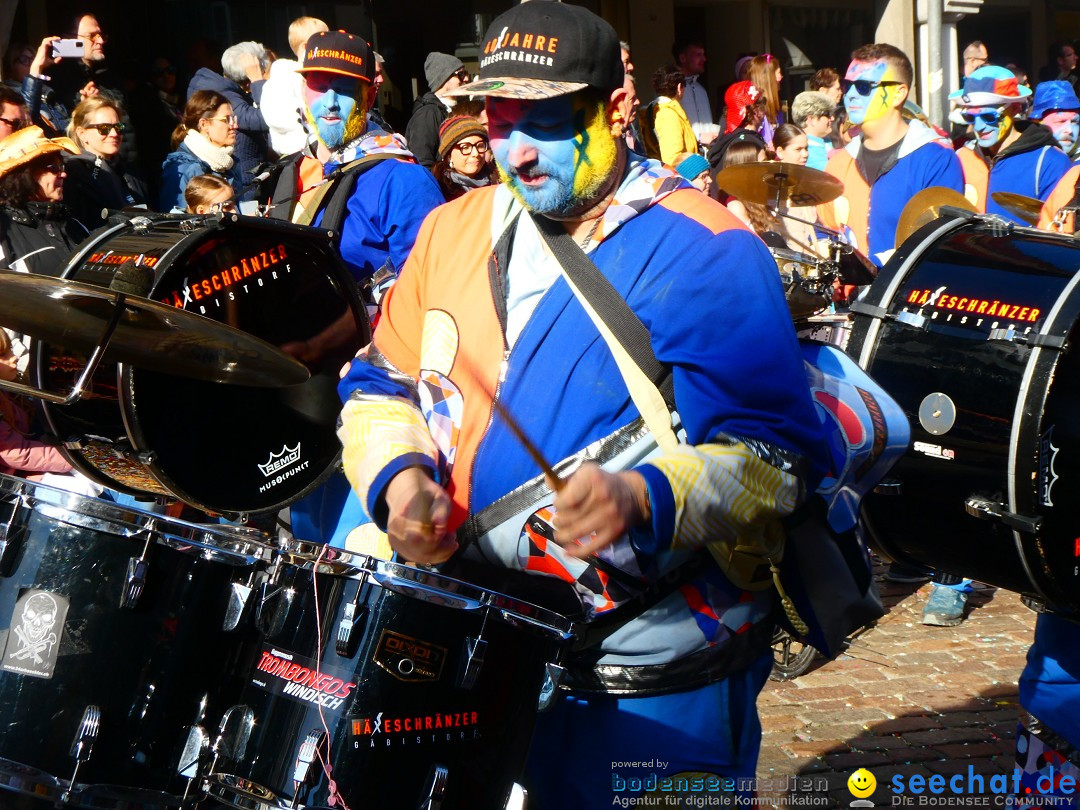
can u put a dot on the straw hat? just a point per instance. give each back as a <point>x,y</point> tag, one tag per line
<point>20,147</point>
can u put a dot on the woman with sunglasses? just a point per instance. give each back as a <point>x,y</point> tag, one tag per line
<point>97,177</point>
<point>464,157</point>
<point>37,231</point>
<point>202,144</point>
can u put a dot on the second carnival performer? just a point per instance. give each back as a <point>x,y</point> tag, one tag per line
<point>481,310</point>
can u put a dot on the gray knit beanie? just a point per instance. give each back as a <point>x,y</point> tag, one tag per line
<point>438,67</point>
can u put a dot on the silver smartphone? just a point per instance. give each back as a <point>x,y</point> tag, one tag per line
<point>69,48</point>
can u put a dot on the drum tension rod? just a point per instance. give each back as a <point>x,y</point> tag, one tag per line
<point>83,745</point>
<point>305,758</point>
<point>986,509</point>
<point>353,619</point>
<point>135,580</point>
<point>475,650</point>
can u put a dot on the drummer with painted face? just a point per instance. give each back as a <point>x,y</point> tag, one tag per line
<point>1006,153</point>
<point>890,160</point>
<point>444,475</point>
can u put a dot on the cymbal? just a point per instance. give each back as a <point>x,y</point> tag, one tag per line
<point>148,335</point>
<point>1026,208</point>
<point>769,182</point>
<point>925,207</point>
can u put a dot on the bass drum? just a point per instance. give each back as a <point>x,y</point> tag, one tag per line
<point>968,327</point>
<point>226,449</point>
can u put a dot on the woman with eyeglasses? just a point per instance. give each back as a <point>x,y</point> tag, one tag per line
<point>37,231</point>
<point>97,177</point>
<point>202,144</point>
<point>464,157</point>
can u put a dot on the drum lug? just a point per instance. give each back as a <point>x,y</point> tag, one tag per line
<point>83,744</point>
<point>234,731</point>
<point>518,798</point>
<point>239,599</point>
<point>275,604</point>
<point>475,649</point>
<point>353,619</point>
<point>889,486</point>
<point>305,758</point>
<point>911,319</point>
<point>986,509</point>
<point>553,676</point>
<point>192,757</point>
<point>1034,604</point>
<point>436,793</point>
<point>135,579</point>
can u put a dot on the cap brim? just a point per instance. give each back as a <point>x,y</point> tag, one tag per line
<point>987,99</point>
<point>514,87</point>
<point>333,70</point>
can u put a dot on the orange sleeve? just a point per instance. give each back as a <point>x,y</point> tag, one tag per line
<point>1061,195</point>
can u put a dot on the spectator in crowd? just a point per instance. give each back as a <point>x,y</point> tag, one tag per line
<point>43,102</point>
<point>790,144</point>
<point>624,53</point>
<point>695,170</point>
<point>13,114</point>
<point>155,108</point>
<point>975,56</point>
<point>37,232</point>
<point>209,194</point>
<point>674,133</point>
<point>202,144</point>
<point>890,161</point>
<point>1006,153</point>
<point>283,93</point>
<point>444,73</point>
<point>812,111</point>
<point>244,67</point>
<point>690,59</point>
<point>375,114</point>
<point>826,80</point>
<point>75,79</point>
<point>744,146</point>
<point>17,60</point>
<point>1057,106</point>
<point>464,157</point>
<point>1062,64</point>
<point>97,178</point>
<point>765,76</point>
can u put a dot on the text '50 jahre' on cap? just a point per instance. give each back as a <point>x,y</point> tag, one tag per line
<point>339,52</point>
<point>544,48</point>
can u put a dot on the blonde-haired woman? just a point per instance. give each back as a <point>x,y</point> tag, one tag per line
<point>97,178</point>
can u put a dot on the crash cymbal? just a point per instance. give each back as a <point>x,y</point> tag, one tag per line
<point>925,207</point>
<point>148,334</point>
<point>770,183</point>
<point>1026,208</point>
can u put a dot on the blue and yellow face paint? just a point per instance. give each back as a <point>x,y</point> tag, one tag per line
<point>554,154</point>
<point>336,107</point>
<point>991,125</point>
<point>871,89</point>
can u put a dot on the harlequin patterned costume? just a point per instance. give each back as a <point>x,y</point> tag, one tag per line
<point>708,291</point>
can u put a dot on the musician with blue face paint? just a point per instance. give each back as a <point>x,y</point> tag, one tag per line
<point>1057,106</point>
<point>1006,153</point>
<point>890,160</point>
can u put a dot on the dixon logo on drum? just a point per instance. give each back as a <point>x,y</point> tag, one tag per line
<point>409,659</point>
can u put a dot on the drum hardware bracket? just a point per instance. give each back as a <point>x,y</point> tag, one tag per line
<point>1040,339</point>
<point>135,579</point>
<point>192,757</point>
<point>553,678</point>
<point>232,737</point>
<point>271,619</point>
<point>353,618</point>
<point>986,509</point>
<point>83,745</point>
<point>911,319</point>
<point>871,310</point>
<point>889,486</point>
<point>1033,604</point>
<point>305,758</point>
<point>238,601</point>
<point>475,650</point>
<point>436,793</point>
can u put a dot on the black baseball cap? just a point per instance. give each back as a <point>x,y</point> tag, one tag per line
<point>544,48</point>
<point>339,52</point>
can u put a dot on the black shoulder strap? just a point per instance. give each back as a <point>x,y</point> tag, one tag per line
<point>609,305</point>
<point>334,212</point>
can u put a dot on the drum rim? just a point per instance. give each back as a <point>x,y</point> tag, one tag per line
<point>236,545</point>
<point>395,576</point>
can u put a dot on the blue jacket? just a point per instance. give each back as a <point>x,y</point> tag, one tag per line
<point>1050,683</point>
<point>252,136</point>
<point>179,167</point>
<point>385,211</point>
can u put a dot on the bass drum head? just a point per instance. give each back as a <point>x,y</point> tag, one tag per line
<point>230,449</point>
<point>965,327</point>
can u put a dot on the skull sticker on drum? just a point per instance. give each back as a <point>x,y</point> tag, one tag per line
<point>36,625</point>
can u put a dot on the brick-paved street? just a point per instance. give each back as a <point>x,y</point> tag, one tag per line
<point>905,699</point>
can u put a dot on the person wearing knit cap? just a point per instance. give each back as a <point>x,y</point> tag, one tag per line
<point>464,157</point>
<point>694,168</point>
<point>1005,153</point>
<point>444,73</point>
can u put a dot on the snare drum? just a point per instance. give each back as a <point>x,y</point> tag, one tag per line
<point>119,629</point>
<point>807,281</point>
<point>971,327</point>
<point>427,687</point>
<point>227,449</point>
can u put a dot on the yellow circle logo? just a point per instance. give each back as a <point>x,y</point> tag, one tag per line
<point>861,783</point>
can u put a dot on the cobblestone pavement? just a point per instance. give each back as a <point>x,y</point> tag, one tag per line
<point>905,699</point>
